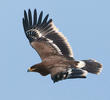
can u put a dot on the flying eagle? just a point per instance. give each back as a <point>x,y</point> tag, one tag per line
<point>54,50</point>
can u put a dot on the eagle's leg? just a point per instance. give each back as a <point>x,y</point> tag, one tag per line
<point>70,74</point>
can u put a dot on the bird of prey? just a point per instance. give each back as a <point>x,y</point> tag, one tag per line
<point>54,50</point>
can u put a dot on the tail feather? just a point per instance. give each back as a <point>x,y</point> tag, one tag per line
<point>92,66</point>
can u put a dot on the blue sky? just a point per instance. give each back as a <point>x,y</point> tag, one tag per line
<point>85,23</point>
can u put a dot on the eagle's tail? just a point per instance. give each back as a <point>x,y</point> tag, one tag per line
<point>91,66</point>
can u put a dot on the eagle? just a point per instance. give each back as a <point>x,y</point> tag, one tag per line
<point>54,50</point>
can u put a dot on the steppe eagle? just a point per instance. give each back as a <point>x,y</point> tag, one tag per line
<point>54,50</point>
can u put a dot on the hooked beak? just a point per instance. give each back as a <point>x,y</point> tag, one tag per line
<point>29,70</point>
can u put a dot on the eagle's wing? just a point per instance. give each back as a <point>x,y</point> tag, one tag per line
<point>44,36</point>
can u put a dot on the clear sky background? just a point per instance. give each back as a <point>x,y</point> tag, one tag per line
<point>85,23</point>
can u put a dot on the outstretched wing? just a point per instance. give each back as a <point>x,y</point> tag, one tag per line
<point>44,36</point>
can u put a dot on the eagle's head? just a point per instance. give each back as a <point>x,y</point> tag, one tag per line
<point>38,68</point>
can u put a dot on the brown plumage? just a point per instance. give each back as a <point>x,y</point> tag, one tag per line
<point>54,50</point>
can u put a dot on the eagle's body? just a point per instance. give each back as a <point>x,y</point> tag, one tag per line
<point>54,65</point>
<point>54,50</point>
